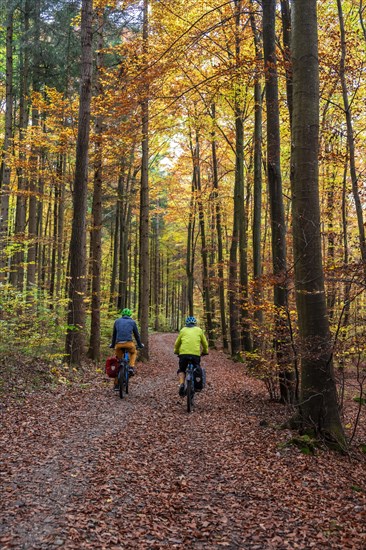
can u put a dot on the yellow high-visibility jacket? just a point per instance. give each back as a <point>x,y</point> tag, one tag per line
<point>190,340</point>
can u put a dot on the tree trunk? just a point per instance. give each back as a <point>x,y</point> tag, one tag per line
<point>318,407</point>
<point>286,36</point>
<point>75,338</point>
<point>190,251</point>
<point>144,203</point>
<point>204,255</point>
<point>278,227</point>
<point>17,264</point>
<point>5,176</point>
<point>220,252</point>
<point>34,159</point>
<point>347,285</point>
<point>238,293</point>
<point>257,193</point>
<point>114,253</point>
<point>351,141</point>
<point>96,226</point>
<point>60,274</point>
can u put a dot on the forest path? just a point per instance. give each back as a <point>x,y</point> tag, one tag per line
<point>83,469</point>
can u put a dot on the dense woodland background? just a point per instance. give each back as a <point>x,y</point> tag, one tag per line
<point>189,157</point>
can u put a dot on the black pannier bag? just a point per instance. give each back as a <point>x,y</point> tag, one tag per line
<point>199,378</point>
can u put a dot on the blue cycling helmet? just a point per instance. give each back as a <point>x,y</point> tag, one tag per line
<point>191,321</point>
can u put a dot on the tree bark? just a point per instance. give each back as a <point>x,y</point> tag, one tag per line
<point>204,255</point>
<point>278,226</point>
<point>34,159</point>
<point>318,407</point>
<point>257,193</point>
<point>5,176</point>
<point>351,140</point>
<point>17,263</point>
<point>96,226</point>
<point>75,338</point>
<point>220,251</point>
<point>144,203</point>
<point>238,293</point>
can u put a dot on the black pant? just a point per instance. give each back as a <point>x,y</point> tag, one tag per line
<point>185,359</point>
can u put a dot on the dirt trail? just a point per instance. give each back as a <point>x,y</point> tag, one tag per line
<point>83,469</point>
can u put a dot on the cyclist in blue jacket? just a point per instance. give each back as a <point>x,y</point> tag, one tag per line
<point>123,329</point>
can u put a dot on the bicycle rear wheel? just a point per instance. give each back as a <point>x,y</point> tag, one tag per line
<point>121,377</point>
<point>190,393</point>
<point>126,378</point>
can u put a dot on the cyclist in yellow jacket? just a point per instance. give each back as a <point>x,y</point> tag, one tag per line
<point>188,346</point>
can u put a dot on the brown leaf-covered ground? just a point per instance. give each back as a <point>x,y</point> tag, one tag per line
<point>83,469</point>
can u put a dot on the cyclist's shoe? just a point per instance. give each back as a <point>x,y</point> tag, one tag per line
<point>131,371</point>
<point>182,390</point>
<point>116,387</point>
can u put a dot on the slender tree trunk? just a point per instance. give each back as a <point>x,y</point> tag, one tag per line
<point>220,251</point>
<point>60,270</point>
<point>347,286</point>
<point>286,36</point>
<point>55,236</point>
<point>190,250</point>
<point>257,193</point>
<point>96,226</point>
<point>204,254</point>
<point>278,226</point>
<point>318,407</point>
<point>361,10</point>
<point>157,271</point>
<point>17,268</point>
<point>34,158</point>
<point>331,294</point>
<point>115,247</point>
<point>350,140</point>
<point>5,176</point>
<point>238,297</point>
<point>40,247</point>
<point>75,338</point>
<point>144,203</point>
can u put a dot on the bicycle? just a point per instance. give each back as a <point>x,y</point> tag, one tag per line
<point>189,385</point>
<point>190,380</point>
<point>123,373</point>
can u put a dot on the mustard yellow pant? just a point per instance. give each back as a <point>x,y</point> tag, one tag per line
<point>130,347</point>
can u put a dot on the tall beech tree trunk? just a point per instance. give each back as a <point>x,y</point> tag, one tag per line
<point>278,227</point>
<point>60,272</point>
<point>114,251</point>
<point>351,140</point>
<point>157,272</point>
<point>286,37</point>
<point>75,337</point>
<point>144,202</point>
<point>190,249</point>
<point>96,226</point>
<point>238,290</point>
<point>34,156</point>
<point>204,254</point>
<point>347,285</point>
<point>5,176</point>
<point>318,406</point>
<point>220,251</point>
<point>17,264</point>
<point>257,192</point>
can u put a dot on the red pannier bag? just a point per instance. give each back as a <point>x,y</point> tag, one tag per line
<point>111,367</point>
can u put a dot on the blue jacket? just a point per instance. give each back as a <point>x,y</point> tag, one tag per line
<point>123,329</point>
